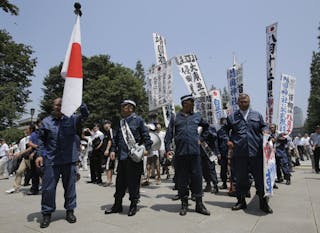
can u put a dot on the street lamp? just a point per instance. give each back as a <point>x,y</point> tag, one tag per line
<point>32,113</point>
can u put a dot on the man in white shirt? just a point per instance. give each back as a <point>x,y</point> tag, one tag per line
<point>4,157</point>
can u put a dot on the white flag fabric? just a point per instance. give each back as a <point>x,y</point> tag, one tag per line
<point>190,72</point>
<point>217,106</point>
<point>286,103</point>
<point>72,72</point>
<point>269,165</point>
<point>271,32</point>
<point>160,86</point>
<point>235,85</point>
<point>159,43</point>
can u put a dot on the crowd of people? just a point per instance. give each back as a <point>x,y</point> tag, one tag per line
<point>55,147</point>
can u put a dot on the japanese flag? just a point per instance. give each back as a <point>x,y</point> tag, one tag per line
<point>72,72</point>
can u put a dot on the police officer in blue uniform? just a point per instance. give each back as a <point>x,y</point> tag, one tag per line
<point>183,129</point>
<point>208,166</point>
<point>246,128</point>
<point>223,148</point>
<point>128,172</point>
<point>58,154</point>
<point>282,161</point>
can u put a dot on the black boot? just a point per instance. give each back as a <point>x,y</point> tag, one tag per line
<point>241,204</point>
<point>184,206</point>
<point>70,216</point>
<point>133,208</point>
<point>208,188</point>
<point>264,205</point>
<point>200,208</point>
<point>116,208</point>
<point>46,219</point>
<point>224,186</point>
<point>215,189</point>
<point>288,179</point>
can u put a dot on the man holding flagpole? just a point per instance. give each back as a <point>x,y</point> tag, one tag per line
<point>58,138</point>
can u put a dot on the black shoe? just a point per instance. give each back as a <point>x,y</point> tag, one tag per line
<point>200,208</point>
<point>280,180</point>
<point>215,189</point>
<point>114,209</point>
<point>91,182</point>
<point>70,217</point>
<point>275,186</point>
<point>184,207</point>
<point>175,198</point>
<point>223,186</point>
<point>208,188</point>
<point>46,219</point>
<point>264,205</point>
<point>241,204</point>
<point>288,182</point>
<point>133,208</point>
<point>31,192</point>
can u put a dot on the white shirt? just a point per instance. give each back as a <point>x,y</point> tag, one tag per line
<point>23,143</point>
<point>4,150</point>
<point>305,141</point>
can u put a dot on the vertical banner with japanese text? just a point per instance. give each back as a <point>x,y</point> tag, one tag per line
<point>235,85</point>
<point>217,106</point>
<point>269,165</point>
<point>159,43</point>
<point>160,49</point>
<point>271,32</point>
<point>160,86</point>
<point>190,72</point>
<point>286,103</point>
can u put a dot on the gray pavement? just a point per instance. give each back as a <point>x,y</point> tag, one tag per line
<point>296,210</point>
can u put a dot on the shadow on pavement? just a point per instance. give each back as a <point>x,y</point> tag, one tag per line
<point>55,216</point>
<point>172,208</point>
<point>222,204</point>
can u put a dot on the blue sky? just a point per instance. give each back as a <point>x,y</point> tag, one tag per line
<point>213,30</point>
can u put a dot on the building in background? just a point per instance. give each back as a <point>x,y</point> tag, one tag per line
<point>298,121</point>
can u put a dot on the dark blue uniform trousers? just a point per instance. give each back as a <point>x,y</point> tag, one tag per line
<point>128,176</point>
<point>243,165</point>
<point>189,174</point>
<point>224,168</point>
<point>209,170</point>
<point>50,180</point>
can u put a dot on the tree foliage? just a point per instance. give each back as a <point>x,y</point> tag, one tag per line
<point>8,7</point>
<point>16,68</point>
<point>12,134</point>
<point>106,85</point>
<point>313,117</point>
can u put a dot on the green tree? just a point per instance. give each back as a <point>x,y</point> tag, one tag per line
<point>16,68</point>
<point>8,7</point>
<point>12,134</point>
<point>106,84</point>
<point>313,117</point>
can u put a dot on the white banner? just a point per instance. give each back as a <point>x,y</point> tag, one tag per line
<point>286,103</point>
<point>271,32</point>
<point>159,43</point>
<point>235,84</point>
<point>203,105</point>
<point>269,165</point>
<point>216,106</point>
<point>190,73</point>
<point>160,86</point>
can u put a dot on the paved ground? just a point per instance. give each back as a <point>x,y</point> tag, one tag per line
<point>296,210</point>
